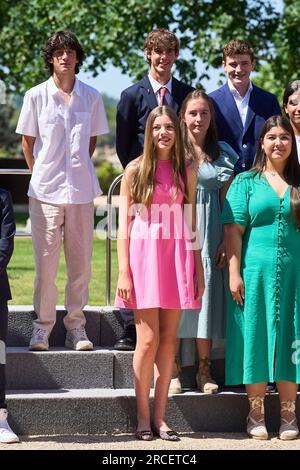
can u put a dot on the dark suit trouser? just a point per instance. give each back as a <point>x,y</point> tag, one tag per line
<point>127,317</point>
<point>3,335</point>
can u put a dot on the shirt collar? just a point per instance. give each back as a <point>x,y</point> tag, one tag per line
<point>235,92</point>
<point>156,85</point>
<point>54,90</point>
<point>77,87</point>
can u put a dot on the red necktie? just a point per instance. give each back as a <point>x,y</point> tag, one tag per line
<point>162,95</point>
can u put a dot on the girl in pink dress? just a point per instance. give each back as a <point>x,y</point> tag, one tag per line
<point>160,270</point>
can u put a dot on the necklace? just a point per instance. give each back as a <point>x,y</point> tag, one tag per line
<point>272,172</point>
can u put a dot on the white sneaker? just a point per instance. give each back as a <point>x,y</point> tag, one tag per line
<point>39,340</point>
<point>7,436</point>
<point>77,339</point>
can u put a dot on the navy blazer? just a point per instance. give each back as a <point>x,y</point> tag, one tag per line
<point>132,112</point>
<point>243,139</point>
<point>7,232</point>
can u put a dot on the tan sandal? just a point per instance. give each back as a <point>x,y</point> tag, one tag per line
<point>175,385</point>
<point>288,429</point>
<point>205,383</point>
<point>257,428</point>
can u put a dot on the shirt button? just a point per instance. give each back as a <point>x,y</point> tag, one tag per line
<point>243,165</point>
<point>244,146</point>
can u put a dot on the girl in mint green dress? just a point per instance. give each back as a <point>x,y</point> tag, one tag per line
<point>262,221</point>
<point>214,162</point>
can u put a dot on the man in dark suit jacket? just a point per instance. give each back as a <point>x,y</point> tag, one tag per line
<point>133,110</point>
<point>241,107</point>
<point>156,88</point>
<point>7,231</point>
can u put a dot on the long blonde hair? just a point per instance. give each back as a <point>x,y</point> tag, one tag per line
<point>144,177</point>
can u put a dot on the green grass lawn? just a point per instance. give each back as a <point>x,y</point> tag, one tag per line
<point>21,273</point>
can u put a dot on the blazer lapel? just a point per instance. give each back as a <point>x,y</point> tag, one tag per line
<point>230,109</point>
<point>148,92</point>
<point>175,95</point>
<point>251,109</point>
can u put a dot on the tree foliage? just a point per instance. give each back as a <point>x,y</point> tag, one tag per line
<point>113,31</point>
<point>283,61</point>
<point>9,140</point>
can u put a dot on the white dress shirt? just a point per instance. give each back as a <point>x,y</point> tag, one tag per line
<point>157,86</point>
<point>63,172</point>
<point>241,102</point>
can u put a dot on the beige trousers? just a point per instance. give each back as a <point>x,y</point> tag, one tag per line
<point>50,224</point>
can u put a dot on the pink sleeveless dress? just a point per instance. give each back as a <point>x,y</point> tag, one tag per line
<point>160,255</point>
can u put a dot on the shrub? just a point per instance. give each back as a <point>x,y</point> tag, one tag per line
<point>106,173</point>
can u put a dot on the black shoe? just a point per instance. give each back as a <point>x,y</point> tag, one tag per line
<point>127,341</point>
<point>271,387</point>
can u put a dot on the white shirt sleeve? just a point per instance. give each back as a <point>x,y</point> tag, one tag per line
<point>27,123</point>
<point>99,123</point>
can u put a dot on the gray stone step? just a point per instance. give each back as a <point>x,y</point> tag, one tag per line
<point>59,368</point>
<point>103,326</point>
<point>79,370</point>
<point>94,411</point>
<point>103,368</point>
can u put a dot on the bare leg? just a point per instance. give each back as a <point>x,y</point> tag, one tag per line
<point>205,383</point>
<point>287,390</point>
<point>287,396</point>
<point>175,371</point>
<point>168,326</point>
<point>147,329</point>
<point>204,347</point>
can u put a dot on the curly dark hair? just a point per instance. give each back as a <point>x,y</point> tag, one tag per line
<point>236,47</point>
<point>61,40</point>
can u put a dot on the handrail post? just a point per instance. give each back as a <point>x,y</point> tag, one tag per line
<point>15,171</point>
<point>108,237</point>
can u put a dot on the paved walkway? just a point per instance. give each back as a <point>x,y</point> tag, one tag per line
<point>193,441</point>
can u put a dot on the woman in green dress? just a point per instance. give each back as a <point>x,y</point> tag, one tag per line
<point>262,222</point>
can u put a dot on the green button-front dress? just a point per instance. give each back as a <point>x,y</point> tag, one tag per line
<point>263,336</point>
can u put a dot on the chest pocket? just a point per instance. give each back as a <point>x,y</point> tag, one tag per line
<point>82,122</point>
<point>48,123</point>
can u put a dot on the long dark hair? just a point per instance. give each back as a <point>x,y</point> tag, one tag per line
<point>290,90</point>
<point>211,145</point>
<point>291,172</point>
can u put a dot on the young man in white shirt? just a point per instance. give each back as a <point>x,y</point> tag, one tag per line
<point>60,121</point>
<point>241,107</point>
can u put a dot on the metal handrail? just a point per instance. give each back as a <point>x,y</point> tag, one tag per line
<point>112,187</point>
<point>15,171</point>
